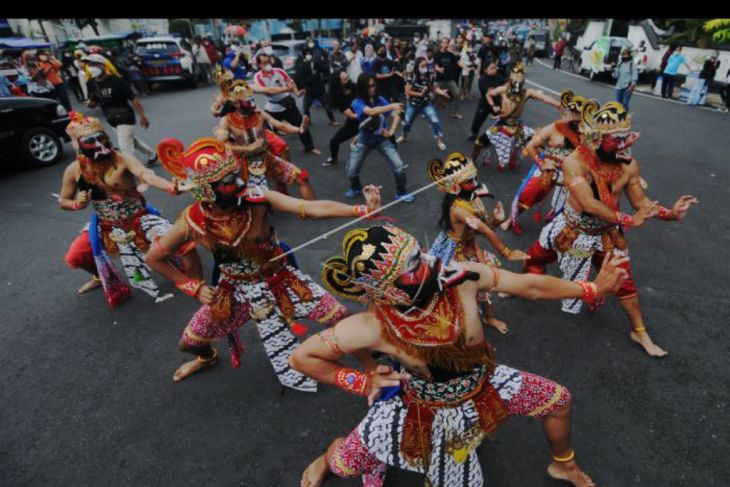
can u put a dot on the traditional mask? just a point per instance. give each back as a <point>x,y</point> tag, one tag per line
<point>385,264</point>
<point>88,136</point>
<point>607,130</point>
<point>517,78</point>
<point>457,175</point>
<point>235,90</point>
<point>213,170</point>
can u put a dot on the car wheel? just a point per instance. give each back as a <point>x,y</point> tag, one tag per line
<point>41,147</point>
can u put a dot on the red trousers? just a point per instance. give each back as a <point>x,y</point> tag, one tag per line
<point>535,191</point>
<point>540,258</point>
<point>79,254</point>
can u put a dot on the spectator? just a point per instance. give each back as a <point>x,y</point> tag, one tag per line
<point>531,48</point>
<point>277,87</point>
<point>385,75</point>
<point>354,59</point>
<point>430,60</point>
<point>559,48</point>
<point>626,76</point>
<point>419,86</point>
<point>448,67</point>
<point>375,133</point>
<point>5,87</point>
<point>337,59</point>
<point>211,50</point>
<point>108,89</point>
<point>200,54</point>
<point>317,52</point>
<point>669,75</point>
<point>421,45</point>
<point>312,74</point>
<point>486,52</point>
<point>515,50</point>
<point>725,93</point>
<point>71,73</point>
<point>82,70</point>
<point>504,59</point>
<point>391,51</point>
<point>342,92</point>
<point>489,79</point>
<point>471,65</point>
<point>51,68</point>
<point>368,61</point>
<point>235,60</point>
<point>138,81</point>
<point>709,69</point>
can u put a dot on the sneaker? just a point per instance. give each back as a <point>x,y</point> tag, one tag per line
<point>334,123</point>
<point>329,162</point>
<point>152,160</point>
<point>353,193</point>
<point>441,145</point>
<point>315,152</point>
<point>407,197</point>
<point>401,139</point>
<point>457,116</point>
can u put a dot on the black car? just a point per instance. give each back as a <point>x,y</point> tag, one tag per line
<point>32,128</point>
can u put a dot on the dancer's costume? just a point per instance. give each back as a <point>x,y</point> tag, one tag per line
<point>246,126</point>
<point>576,239</point>
<point>122,225</point>
<point>538,182</point>
<point>510,135</point>
<point>273,294</point>
<point>435,424</point>
<point>449,176</point>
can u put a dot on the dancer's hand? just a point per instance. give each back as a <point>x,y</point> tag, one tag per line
<point>82,200</point>
<point>208,294</point>
<point>516,254</point>
<point>383,376</point>
<point>611,276</point>
<point>681,207</point>
<point>397,107</point>
<point>498,213</point>
<point>645,213</point>
<point>372,197</point>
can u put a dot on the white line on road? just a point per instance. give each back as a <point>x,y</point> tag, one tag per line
<point>639,93</point>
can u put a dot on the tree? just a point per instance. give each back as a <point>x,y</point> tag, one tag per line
<point>719,28</point>
<point>691,31</point>
<point>81,23</point>
<point>180,26</point>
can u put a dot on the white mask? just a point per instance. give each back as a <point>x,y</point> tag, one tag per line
<point>267,68</point>
<point>311,44</point>
<point>95,72</point>
<point>423,70</point>
<point>308,57</point>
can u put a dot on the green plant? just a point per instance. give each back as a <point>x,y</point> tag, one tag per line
<point>180,26</point>
<point>719,28</point>
<point>691,31</point>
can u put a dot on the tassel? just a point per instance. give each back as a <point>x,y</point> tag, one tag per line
<point>537,216</point>
<point>236,348</point>
<point>297,327</point>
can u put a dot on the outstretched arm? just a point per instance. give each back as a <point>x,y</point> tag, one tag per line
<point>147,175</point>
<point>541,136</point>
<point>463,216</point>
<point>539,95</point>
<point>639,199</point>
<point>69,199</point>
<point>324,208</point>
<point>282,126</point>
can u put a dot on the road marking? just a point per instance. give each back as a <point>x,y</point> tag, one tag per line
<point>639,93</point>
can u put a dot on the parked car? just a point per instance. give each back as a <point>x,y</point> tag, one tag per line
<point>32,128</point>
<point>288,52</point>
<point>164,59</point>
<point>597,58</point>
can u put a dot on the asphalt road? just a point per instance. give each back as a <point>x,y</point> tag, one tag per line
<point>87,393</point>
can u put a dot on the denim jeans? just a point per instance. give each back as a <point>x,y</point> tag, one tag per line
<point>412,112</point>
<point>623,95</point>
<point>387,148</point>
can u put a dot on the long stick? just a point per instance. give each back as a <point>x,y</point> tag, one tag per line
<point>350,223</point>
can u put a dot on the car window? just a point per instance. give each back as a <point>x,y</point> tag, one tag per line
<point>157,48</point>
<point>280,51</point>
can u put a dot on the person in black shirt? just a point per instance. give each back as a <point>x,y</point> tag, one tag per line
<point>448,69</point>
<point>419,85</point>
<point>385,75</point>
<point>118,103</point>
<point>489,79</point>
<point>313,71</point>
<point>708,72</point>
<point>342,91</point>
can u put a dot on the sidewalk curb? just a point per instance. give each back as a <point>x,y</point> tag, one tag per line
<point>638,92</point>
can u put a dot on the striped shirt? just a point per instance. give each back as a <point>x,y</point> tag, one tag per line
<point>277,77</point>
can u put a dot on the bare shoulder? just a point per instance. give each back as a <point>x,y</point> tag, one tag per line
<point>572,163</point>
<point>72,169</point>
<point>361,330</point>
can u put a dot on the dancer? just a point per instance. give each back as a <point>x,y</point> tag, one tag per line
<point>231,221</point>
<point>591,224</point>
<point>424,314</point>
<point>463,216</point>
<point>548,147</point>
<point>260,151</point>
<point>123,223</point>
<point>509,134</point>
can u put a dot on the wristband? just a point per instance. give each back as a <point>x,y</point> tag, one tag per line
<point>173,190</point>
<point>190,286</point>
<point>77,205</point>
<point>505,251</point>
<point>352,381</point>
<point>590,291</point>
<point>664,213</point>
<point>302,211</point>
<point>624,220</point>
<point>303,176</point>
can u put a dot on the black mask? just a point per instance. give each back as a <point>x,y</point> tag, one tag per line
<point>246,107</point>
<point>96,146</point>
<point>227,191</point>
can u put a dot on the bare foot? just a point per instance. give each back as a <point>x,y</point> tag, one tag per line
<point>316,152</point>
<point>570,472</point>
<point>189,368</point>
<point>94,283</point>
<point>643,339</point>
<point>500,325</point>
<point>316,472</point>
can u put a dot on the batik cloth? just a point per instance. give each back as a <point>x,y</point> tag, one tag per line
<point>508,138</point>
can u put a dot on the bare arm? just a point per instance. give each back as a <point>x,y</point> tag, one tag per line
<point>69,188</point>
<point>137,104</point>
<point>463,216</point>
<point>321,208</point>
<point>540,137</point>
<point>370,111</point>
<point>539,95</point>
<point>282,126</point>
<point>492,92</point>
<point>222,133</point>
<point>634,191</point>
<point>578,187</point>
<point>147,175</point>
<point>169,244</point>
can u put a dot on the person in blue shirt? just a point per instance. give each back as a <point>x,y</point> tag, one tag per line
<point>375,132</point>
<point>368,60</point>
<point>674,62</point>
<point>235,61</point>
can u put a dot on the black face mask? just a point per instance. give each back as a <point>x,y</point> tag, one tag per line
<point>227,191</point>
<point>96,146</point>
